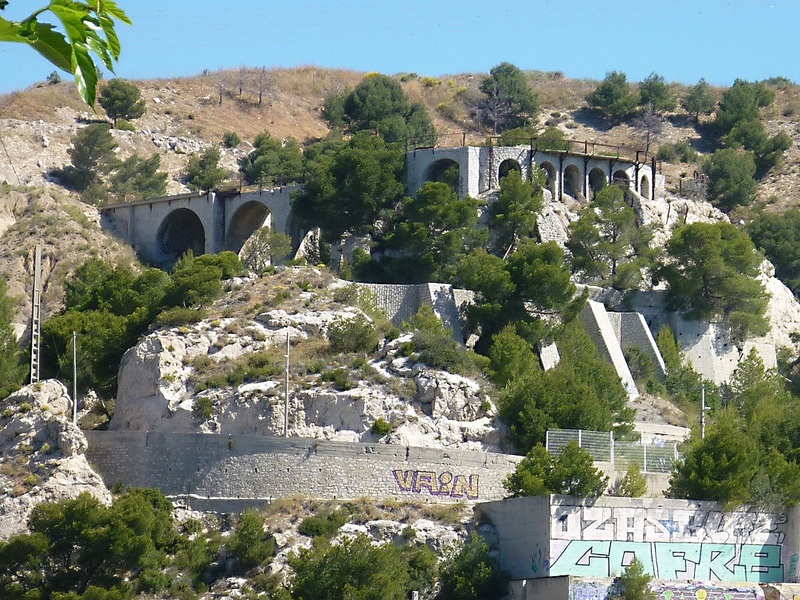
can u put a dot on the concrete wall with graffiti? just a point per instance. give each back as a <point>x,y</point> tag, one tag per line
<point>593,588</point>
<point>230,469</point>
<point>674,539</point>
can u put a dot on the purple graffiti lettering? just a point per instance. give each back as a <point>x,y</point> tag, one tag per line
<point>445,483</point>
<point>425,479</point>
<point>461,488</point>
<point>404,479</point>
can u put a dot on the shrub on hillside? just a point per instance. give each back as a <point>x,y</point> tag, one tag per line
<point>352,335</point>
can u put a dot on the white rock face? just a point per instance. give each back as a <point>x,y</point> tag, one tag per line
<point>41,455</point>
<point>425,407</point>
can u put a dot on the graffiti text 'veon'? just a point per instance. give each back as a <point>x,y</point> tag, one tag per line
<point>442,484</point>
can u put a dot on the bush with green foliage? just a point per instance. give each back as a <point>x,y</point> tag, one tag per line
<point>379,104</point>
<point>778,236</point>
<point>325,523</point>
<point>249,543</point>
<point>741,103</point>
<point>508,100</point>
<point>571,473</point>
<point>700,100</point>
<point>272,162</point>
<point>633,484</point>
<point>613,98</point>
<point>139,177</point>
<point>203,172</point>
<point>633,583</point>
<point>381,427</point>
<point>110,308</point>
<point>655,91</point>
<point>607,244</point>
<point>355,568</point>
<point>512,217</point>
<point>92,156</point>
<point>433,344</point>
<point>472,573</point>
<point>339,202</point>
<point>78,544</point>
<point>712,275</point>
<point>533,289</point>
<point>352,335</point>
<point>750,452</point>
<point>121,100</point>
<point>429,236</point>
<point>231,139</point>
<point>582,392</point>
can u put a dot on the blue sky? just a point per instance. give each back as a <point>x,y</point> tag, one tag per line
<point>682,40</point>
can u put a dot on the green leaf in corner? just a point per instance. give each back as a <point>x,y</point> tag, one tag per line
<point>53,46</point>
<point>85,73</point>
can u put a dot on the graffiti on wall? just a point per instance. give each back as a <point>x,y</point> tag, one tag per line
<point>698,544</point>
<point>441,484</point>
<point>595,590</point>
<point>679,560</point>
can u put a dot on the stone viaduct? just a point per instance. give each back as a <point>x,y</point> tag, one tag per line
<point>162,229</point>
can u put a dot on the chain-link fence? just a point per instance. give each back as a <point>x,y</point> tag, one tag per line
<point>651,457</point>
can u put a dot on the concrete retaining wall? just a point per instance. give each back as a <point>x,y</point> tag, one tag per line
<point>244,467</point>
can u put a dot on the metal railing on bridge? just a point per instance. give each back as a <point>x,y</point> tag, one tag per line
<point>574,147</point>
<point>651,457</point>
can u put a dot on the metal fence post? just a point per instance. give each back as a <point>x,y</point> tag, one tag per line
<point>644,448</point>
<point>611,439</point>
<point>547,440</point>
<point>580,438</point>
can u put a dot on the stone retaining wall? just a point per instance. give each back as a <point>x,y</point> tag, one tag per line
<point>245,467</point>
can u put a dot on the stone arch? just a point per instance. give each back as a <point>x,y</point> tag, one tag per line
<point>550,177</point>
<point>248,217</point>
<point>445,170</point>
<point>597,181</point>
<point>507,166</point>
<point>644,187</point>
<point>622,179</point>
<point>573,181</point>
<point>181,230</point>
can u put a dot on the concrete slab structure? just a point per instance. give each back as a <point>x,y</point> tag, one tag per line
<point>676,540</point>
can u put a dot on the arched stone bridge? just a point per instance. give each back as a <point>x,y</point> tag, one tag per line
<point>161,229</point>
<point>579,171</point>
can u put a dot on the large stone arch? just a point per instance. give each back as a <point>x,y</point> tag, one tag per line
<point>445,170</point>
<point>550,177</point>
<point>573,181</point>
<point>622,179</point>
<point>181,230</point>
<point>248,217</point>
<point>644,187</point>
<point>506,167</point>
<point>597,181</point>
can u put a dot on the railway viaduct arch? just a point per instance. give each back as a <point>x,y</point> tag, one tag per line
<point>162,229</point>
<point>577,172</point>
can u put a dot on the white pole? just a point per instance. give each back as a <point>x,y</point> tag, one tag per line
<point>703,411</point>
<point>74,378</point>
<point>286,391</point>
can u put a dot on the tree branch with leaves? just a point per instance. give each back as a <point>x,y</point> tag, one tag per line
<point>89,28</point>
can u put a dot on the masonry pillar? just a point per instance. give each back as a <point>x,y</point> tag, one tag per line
<point>218,222</point>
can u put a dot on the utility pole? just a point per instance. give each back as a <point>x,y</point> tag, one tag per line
<point>286,391</point>
<point>36,314</point>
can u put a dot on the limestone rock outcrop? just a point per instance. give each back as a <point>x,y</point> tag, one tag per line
<point>41,454</point>
<point>161,388</point>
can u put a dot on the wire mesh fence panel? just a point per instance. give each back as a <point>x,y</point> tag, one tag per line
<point>598,443</point>
<point>651,458</point>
